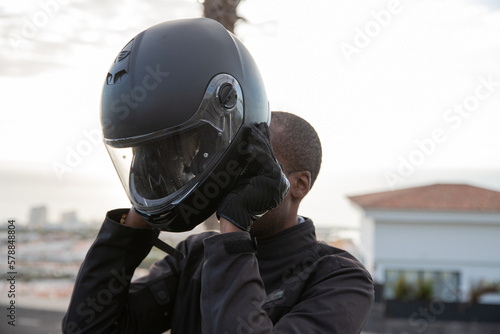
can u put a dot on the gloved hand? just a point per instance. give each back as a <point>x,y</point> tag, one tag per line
<point>260,187</point>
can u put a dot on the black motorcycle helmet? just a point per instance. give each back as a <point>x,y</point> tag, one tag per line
<point>175,107</point>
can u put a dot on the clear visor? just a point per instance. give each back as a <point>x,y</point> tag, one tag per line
<point>159,169</point>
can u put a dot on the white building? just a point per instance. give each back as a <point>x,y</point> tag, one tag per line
<point>448,234</point>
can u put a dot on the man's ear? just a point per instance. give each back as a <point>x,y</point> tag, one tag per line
<point>300,183</point>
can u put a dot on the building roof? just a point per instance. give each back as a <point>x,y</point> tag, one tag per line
<point>437,197</point>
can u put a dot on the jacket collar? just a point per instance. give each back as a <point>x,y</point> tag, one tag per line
<point>290,241</point>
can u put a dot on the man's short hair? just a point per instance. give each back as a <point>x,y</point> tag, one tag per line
<point>298,144</point>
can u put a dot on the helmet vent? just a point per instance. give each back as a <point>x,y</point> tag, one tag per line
<point>120,76</point>
<point>119,70</point>
<point>125,51</point>
<point>122,55</point>
<point>117,78</point>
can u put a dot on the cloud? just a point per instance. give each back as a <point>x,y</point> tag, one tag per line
<point>491,4</point>
<point>39,37</point>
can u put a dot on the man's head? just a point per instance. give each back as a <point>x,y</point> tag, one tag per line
<point>298,149</point>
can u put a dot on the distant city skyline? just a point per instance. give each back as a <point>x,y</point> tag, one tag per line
<point>91,197</point>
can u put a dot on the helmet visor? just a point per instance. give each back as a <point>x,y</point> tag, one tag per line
<point>159,169</point>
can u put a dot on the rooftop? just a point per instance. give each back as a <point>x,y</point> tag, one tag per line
<point>436,197</point>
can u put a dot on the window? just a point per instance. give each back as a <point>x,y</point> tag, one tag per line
<point>410,284</point>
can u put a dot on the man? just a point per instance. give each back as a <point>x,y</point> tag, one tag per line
<point>262,273</point>
<point>292,284</point>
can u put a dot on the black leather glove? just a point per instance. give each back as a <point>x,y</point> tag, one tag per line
<point>260,187</point>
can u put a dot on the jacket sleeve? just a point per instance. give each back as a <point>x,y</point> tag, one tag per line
<point>338,299</point>
<point>104,300</point>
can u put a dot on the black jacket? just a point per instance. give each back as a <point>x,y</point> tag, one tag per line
<point>290,284</point>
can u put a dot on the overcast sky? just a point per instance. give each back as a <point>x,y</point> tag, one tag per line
<point>402,93</point>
